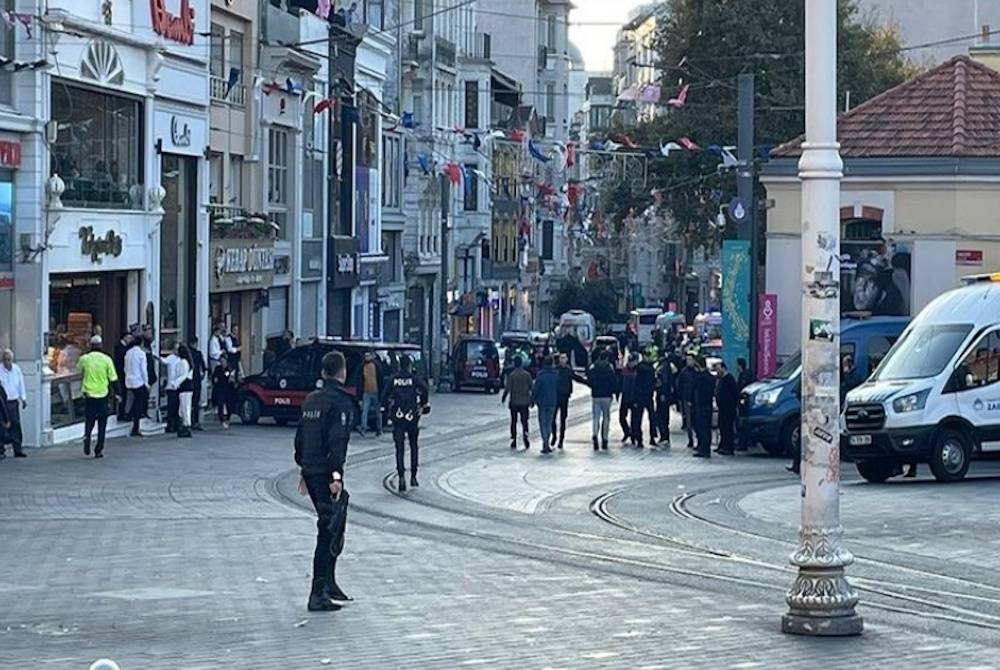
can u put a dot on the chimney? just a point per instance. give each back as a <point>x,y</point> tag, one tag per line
<point>986,52</point>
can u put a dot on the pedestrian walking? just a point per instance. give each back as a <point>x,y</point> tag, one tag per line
<point>320,451</point>
<point>198,379</point>
<point>231,343</point>
<point>215,347</point>
<point>407,397</point>
<point>545,394</point>
<point>642,402</point>
<point>626,384</point>
<point>663,397</point>
<point>12,380</point>
<point>371,386</point>
<point>172,382</point>
<point>183,380</point>
<point>603,382</point>
<point>224,390</point>
<point>518,389</point>
<point>702,395</point>
<point>685,388</point>
<point>563,394</point>
<point>727,397</point>
<point>136,385</point>
<point>99,376</point>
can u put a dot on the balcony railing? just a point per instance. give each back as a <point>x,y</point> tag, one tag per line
<point>445,51</point>
<point>237,96</point>
<point>234,222</point>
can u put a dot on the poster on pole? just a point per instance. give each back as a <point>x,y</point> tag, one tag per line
<point>767,335</point>
<point>735,301</point>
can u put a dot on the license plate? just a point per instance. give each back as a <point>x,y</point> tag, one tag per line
<point>861,440</point>
<point>479,374</point>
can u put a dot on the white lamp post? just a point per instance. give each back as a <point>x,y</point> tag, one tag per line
<point>821,601</point>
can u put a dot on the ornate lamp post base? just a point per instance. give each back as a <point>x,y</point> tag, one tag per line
<point>821,603</point>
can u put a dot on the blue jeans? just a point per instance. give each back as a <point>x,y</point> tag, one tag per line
<point>546,415</point>
<point>370,401</point>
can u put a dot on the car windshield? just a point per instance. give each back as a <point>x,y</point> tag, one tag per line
<point>789,367</point>
<point>922,352</point>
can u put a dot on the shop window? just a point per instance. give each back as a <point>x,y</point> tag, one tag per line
<point>392,162</point>
<point>98,147</point>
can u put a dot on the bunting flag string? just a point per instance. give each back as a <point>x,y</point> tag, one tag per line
<point>323,9</point>
<point>536,153</point>
<point>322,106</point>
<point>12,18</point>
<point>11,65</point>
<point>650,94</point>
<point>680,99</point>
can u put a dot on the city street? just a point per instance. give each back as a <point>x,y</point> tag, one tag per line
<point>196,554</point>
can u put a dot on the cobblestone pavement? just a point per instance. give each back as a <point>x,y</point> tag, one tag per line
<point>195,554</point>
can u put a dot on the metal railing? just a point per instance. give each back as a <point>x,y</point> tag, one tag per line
<point>237,96</point>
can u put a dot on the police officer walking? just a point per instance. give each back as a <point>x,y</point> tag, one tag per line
<point>406,396</point>
<point>320,451</point>
<point>702,395</point>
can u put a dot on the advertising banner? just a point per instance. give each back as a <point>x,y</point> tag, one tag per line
<point>767,335</point>
<point>735,301</point>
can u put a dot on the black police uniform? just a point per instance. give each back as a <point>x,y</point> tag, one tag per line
<point>320,451</point>
<point>702,394</point>
<point>406,396</point>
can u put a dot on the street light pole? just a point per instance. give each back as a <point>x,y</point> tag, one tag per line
<point>821,601</point>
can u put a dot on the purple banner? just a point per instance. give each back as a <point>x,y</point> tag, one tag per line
<point>767,335</point>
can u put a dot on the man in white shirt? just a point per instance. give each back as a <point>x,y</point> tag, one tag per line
<point>173,390</point>
<point>136,385</point>
<point>17,398</point>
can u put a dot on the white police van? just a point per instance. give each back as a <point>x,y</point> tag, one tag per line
<point>935,398</point>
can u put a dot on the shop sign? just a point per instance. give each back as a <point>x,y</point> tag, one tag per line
<point>180,132</point>
<point>767,335</point>
<point>345,263</point>
<point>176,27</point>
<point>312,259</point>
<point>969,257</point>
<point>10,154</point>
<point>242,265</point>
<point>96,247</point>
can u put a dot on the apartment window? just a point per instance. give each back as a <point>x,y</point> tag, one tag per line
<point>547,240</point>
<point>234,182</point>
<point>277,179</point>
<point>235,51</point>
<point>392,248</point>
<point>471,104</point>
<point>392,161</point>
<point>551,36</point>
<point>471,200</point>
<point>376,14</point>
<point>217,51</point>
<point>215,179</point>
<point>550,103</point>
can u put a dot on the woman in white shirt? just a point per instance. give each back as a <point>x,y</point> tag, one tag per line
<point>182,378</point>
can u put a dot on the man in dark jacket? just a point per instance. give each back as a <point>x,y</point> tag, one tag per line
<point>743,379</point>
<point>563,394</point>
<point>320,452</point>
<point>121,346</point>
<point>603,384</point>
<point>626,382</point>
<point>702,395</point>
<point>664,396</point>
<point>685,387</point>
<point>518,388</point>
<point>642,402</point>
<point>407,398</point>
<point>727,397</point>
<point>199,370</point>
<point>545,394</point>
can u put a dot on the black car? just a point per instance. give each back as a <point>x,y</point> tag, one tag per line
<point>278,391</point>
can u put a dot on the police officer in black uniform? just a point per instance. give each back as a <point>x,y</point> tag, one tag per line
<point>406,396</point>
<point>320,450</point>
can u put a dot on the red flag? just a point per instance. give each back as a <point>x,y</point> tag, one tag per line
<point>570,154</point>
<point>322,106</point>
<point>627,141</point>
<point>681,98</point>
<point>687,143</point>
<point>454,173</point>
<point>517,135</point>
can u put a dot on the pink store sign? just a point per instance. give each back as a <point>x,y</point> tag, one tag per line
<point>767,335</point>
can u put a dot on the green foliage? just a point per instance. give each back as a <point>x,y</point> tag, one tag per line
<point>719,39</point>
<point>597,297</point>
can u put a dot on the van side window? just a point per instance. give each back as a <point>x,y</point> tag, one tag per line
<point>981,366</point>
<point>878,347</point>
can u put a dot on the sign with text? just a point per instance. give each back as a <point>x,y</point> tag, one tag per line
<point>735,301</point>
<point>969,257</point>
<point>767,335</point>
<point>343,262</point>
<point>175,27</point>
<point>242,265</point>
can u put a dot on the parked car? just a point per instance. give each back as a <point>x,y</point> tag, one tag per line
<point>278,391</point>
<point>772,408</point>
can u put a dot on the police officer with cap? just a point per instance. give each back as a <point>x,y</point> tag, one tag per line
<point>406,396</point>
<point>320,451</point>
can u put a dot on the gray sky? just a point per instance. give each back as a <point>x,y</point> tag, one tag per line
<point>597,41</point>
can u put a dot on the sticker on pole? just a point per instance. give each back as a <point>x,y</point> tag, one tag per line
<point>738,210</point>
